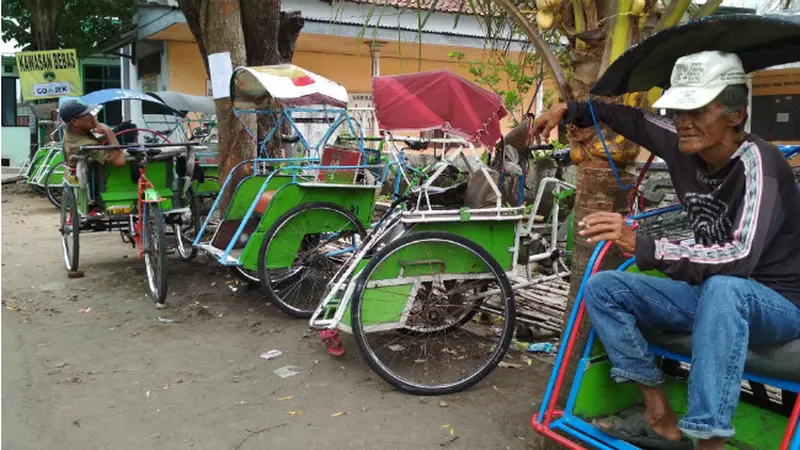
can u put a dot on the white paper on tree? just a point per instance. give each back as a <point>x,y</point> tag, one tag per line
<point>221,71</point>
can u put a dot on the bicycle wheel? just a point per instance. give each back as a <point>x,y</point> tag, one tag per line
<point>54,190</point>
<point>248,276</point>
<point>70,229</point>
<point>154,241</point>
<point>186,228</point>
<point>409,308</point>
<point>295,266</point>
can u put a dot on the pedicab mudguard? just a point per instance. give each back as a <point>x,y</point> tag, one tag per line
<point>151,196</point>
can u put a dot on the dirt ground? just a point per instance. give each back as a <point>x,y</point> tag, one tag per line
<point>116,377</point>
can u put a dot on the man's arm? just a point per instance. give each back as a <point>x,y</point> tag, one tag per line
<point>756,224</point>
<point>115,158</point>
<point>649,131</point>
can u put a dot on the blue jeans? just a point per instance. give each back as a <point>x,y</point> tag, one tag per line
<point>723,314</point>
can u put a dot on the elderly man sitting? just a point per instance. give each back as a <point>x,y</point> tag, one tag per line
<point>736,283</point>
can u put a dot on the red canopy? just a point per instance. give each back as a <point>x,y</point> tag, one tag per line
<point>438,100</point>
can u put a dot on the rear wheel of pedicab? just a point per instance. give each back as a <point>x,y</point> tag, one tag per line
<point>187,227</point>
<point>414,322</point>
<point>70,229</point>
<point>298,278</point>
<point>154,241</point>
<point>248,276</point>
<point>54,191</point>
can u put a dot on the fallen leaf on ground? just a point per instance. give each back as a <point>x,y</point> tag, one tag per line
<point>509,365</point>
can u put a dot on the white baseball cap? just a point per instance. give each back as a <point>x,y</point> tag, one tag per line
<point>699,78</point>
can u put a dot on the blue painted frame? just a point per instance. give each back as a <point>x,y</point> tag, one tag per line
<point>586,432</point>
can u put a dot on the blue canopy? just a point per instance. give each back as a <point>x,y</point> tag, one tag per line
<point>110,95</point>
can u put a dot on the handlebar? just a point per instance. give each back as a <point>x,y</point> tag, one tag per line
<point>130,147</point>
<point>539,147</point>
<point>146,151</point>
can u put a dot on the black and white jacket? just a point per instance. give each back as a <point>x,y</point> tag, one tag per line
<point>745,217</point>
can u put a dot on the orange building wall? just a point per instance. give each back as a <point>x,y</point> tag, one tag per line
<point>187,73</point>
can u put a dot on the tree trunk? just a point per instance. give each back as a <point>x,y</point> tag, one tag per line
<point>220,26</point>
<point>270,37</point>
<point>43,20</point>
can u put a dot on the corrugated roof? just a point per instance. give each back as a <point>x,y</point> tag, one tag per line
<point>447,6</point>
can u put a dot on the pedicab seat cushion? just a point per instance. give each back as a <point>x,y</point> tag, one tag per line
<point>263,202</point>
<point>781,361</point>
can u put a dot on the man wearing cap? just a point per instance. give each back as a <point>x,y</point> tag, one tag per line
<point>736,283</point>
<point>80,123</point>
<point>81,126</point>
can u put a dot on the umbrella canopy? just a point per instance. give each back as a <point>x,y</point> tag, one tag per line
<point>186,102</point>
<point>438,100</point>
<point>290,85</point>
<point>759,41</point>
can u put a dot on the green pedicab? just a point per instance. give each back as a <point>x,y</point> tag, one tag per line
<point>291,221</point>
<point>429,296</point>
<point>147,200</point>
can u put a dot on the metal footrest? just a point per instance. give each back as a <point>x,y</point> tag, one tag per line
<point>230,260</point>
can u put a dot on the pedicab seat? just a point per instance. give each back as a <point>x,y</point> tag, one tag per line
<point>781,361</point>
<point>263,202</point>
<point>339,156</point>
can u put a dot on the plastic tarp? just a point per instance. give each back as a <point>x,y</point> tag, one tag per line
<point>186,102</point>
<point>759,41</point>
<point>290,85</point>
<point>438,100</point>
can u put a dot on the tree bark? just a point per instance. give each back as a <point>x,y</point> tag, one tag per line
<point>256,33</point>
<point>43,19</point>
<point>217,27</point>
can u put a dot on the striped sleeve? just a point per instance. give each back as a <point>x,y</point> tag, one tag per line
<point>755,226</point>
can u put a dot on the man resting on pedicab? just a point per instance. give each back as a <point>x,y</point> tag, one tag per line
<point>80,130</point>
<point>737,283</point>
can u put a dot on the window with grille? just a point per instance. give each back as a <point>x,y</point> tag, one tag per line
<point>96,78</point>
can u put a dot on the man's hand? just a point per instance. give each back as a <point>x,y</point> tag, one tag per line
<point>103,129</point>
<point>606,226</point>
<point>548,120</point>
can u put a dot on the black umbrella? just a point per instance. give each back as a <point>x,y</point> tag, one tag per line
<point>759,41</point>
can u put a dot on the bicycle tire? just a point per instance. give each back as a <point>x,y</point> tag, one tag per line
<point>51,190</point>
<point>154,241</point>
<point>276,227</point>
<point>69,209</point>
<point>248,276</point>
<point>506,332</point>
<point>187,251</point>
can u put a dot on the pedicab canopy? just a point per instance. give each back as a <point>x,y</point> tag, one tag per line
<point>759,41</point>
<point>104,96</point>
<point>290,85</point>
<point>186,103</point>
<point>438,100</point>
